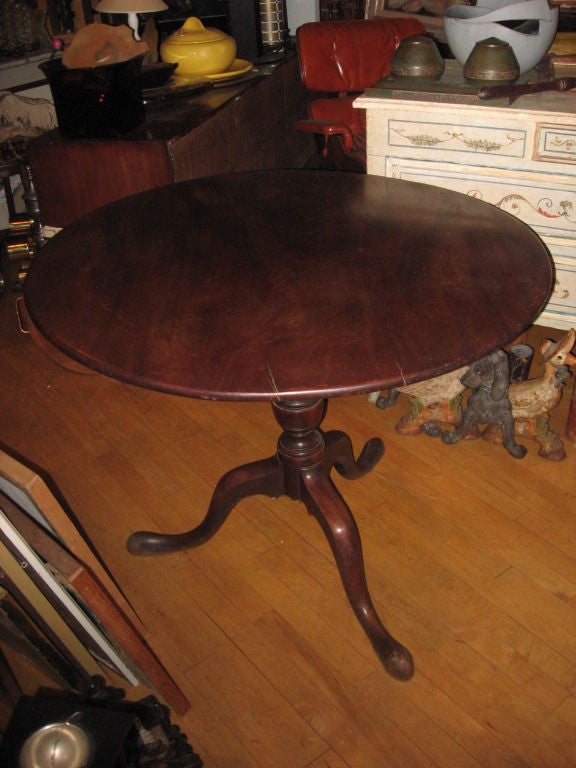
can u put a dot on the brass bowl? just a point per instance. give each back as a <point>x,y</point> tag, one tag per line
<point>492,62</point>
<point>417,57</point>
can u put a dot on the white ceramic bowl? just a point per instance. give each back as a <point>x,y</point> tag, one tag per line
<point>534,22</point>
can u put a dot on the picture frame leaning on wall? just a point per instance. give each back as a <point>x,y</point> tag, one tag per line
<point>58,562</point>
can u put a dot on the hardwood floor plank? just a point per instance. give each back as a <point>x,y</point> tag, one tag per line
<point>303,676</point>
<point>455,737</point>
<point>469,607</point>
<point>329,760</point>
<point>334,638</point>
<point>260,718</point>
<point>488,523</point>
<point>559,728</point>
<point>550,619</point>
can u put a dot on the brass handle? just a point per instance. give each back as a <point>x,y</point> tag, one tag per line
<point>499,91</point>
<point>19,247</point>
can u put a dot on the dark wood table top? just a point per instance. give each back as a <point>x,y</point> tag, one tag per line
<point>287,284</point>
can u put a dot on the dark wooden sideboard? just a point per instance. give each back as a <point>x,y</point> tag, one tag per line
<point>242,125</point>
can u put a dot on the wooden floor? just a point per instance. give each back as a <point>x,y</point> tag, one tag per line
<point>470,556</point>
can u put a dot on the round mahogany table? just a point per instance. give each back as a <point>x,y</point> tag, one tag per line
<point>293,287</point>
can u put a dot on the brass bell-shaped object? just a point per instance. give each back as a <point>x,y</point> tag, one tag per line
<point>492,62</point>
<point>417,56</point>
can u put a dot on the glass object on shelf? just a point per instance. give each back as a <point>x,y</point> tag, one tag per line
<point>273,31</point>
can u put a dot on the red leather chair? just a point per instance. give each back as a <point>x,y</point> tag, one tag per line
<point>339,60</point>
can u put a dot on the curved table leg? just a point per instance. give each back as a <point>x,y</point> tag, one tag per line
<point>324,502</point>
<point>263,477</point>
<point>340,455</point>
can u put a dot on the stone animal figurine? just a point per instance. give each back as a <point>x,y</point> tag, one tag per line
<point>533,399</point>
<point>488,404</point>
<point>434,400</point>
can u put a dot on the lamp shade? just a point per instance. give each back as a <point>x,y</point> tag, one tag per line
<point>132,8</point>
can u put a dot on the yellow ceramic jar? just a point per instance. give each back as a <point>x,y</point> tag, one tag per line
<point>199,50</point>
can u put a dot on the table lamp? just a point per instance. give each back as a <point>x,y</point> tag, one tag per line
<point>132,8</point>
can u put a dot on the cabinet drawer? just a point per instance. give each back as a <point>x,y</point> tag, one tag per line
<point>560,312</point>
<point>546,202</point>
<point>556,144</point>
<point>474,143</point>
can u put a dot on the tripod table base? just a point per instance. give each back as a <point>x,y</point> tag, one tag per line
<point>301,470</point>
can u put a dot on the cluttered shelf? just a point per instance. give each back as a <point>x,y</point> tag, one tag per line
<point>238,125</point>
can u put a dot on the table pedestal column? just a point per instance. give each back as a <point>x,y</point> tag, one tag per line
<point>301,470</point>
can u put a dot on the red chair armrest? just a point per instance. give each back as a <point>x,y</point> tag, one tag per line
<point>326,129</point>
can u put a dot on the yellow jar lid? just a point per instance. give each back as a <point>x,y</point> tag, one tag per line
<point>193,31</point>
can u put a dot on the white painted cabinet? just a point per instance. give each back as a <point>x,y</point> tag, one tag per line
<point>521,158</point>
